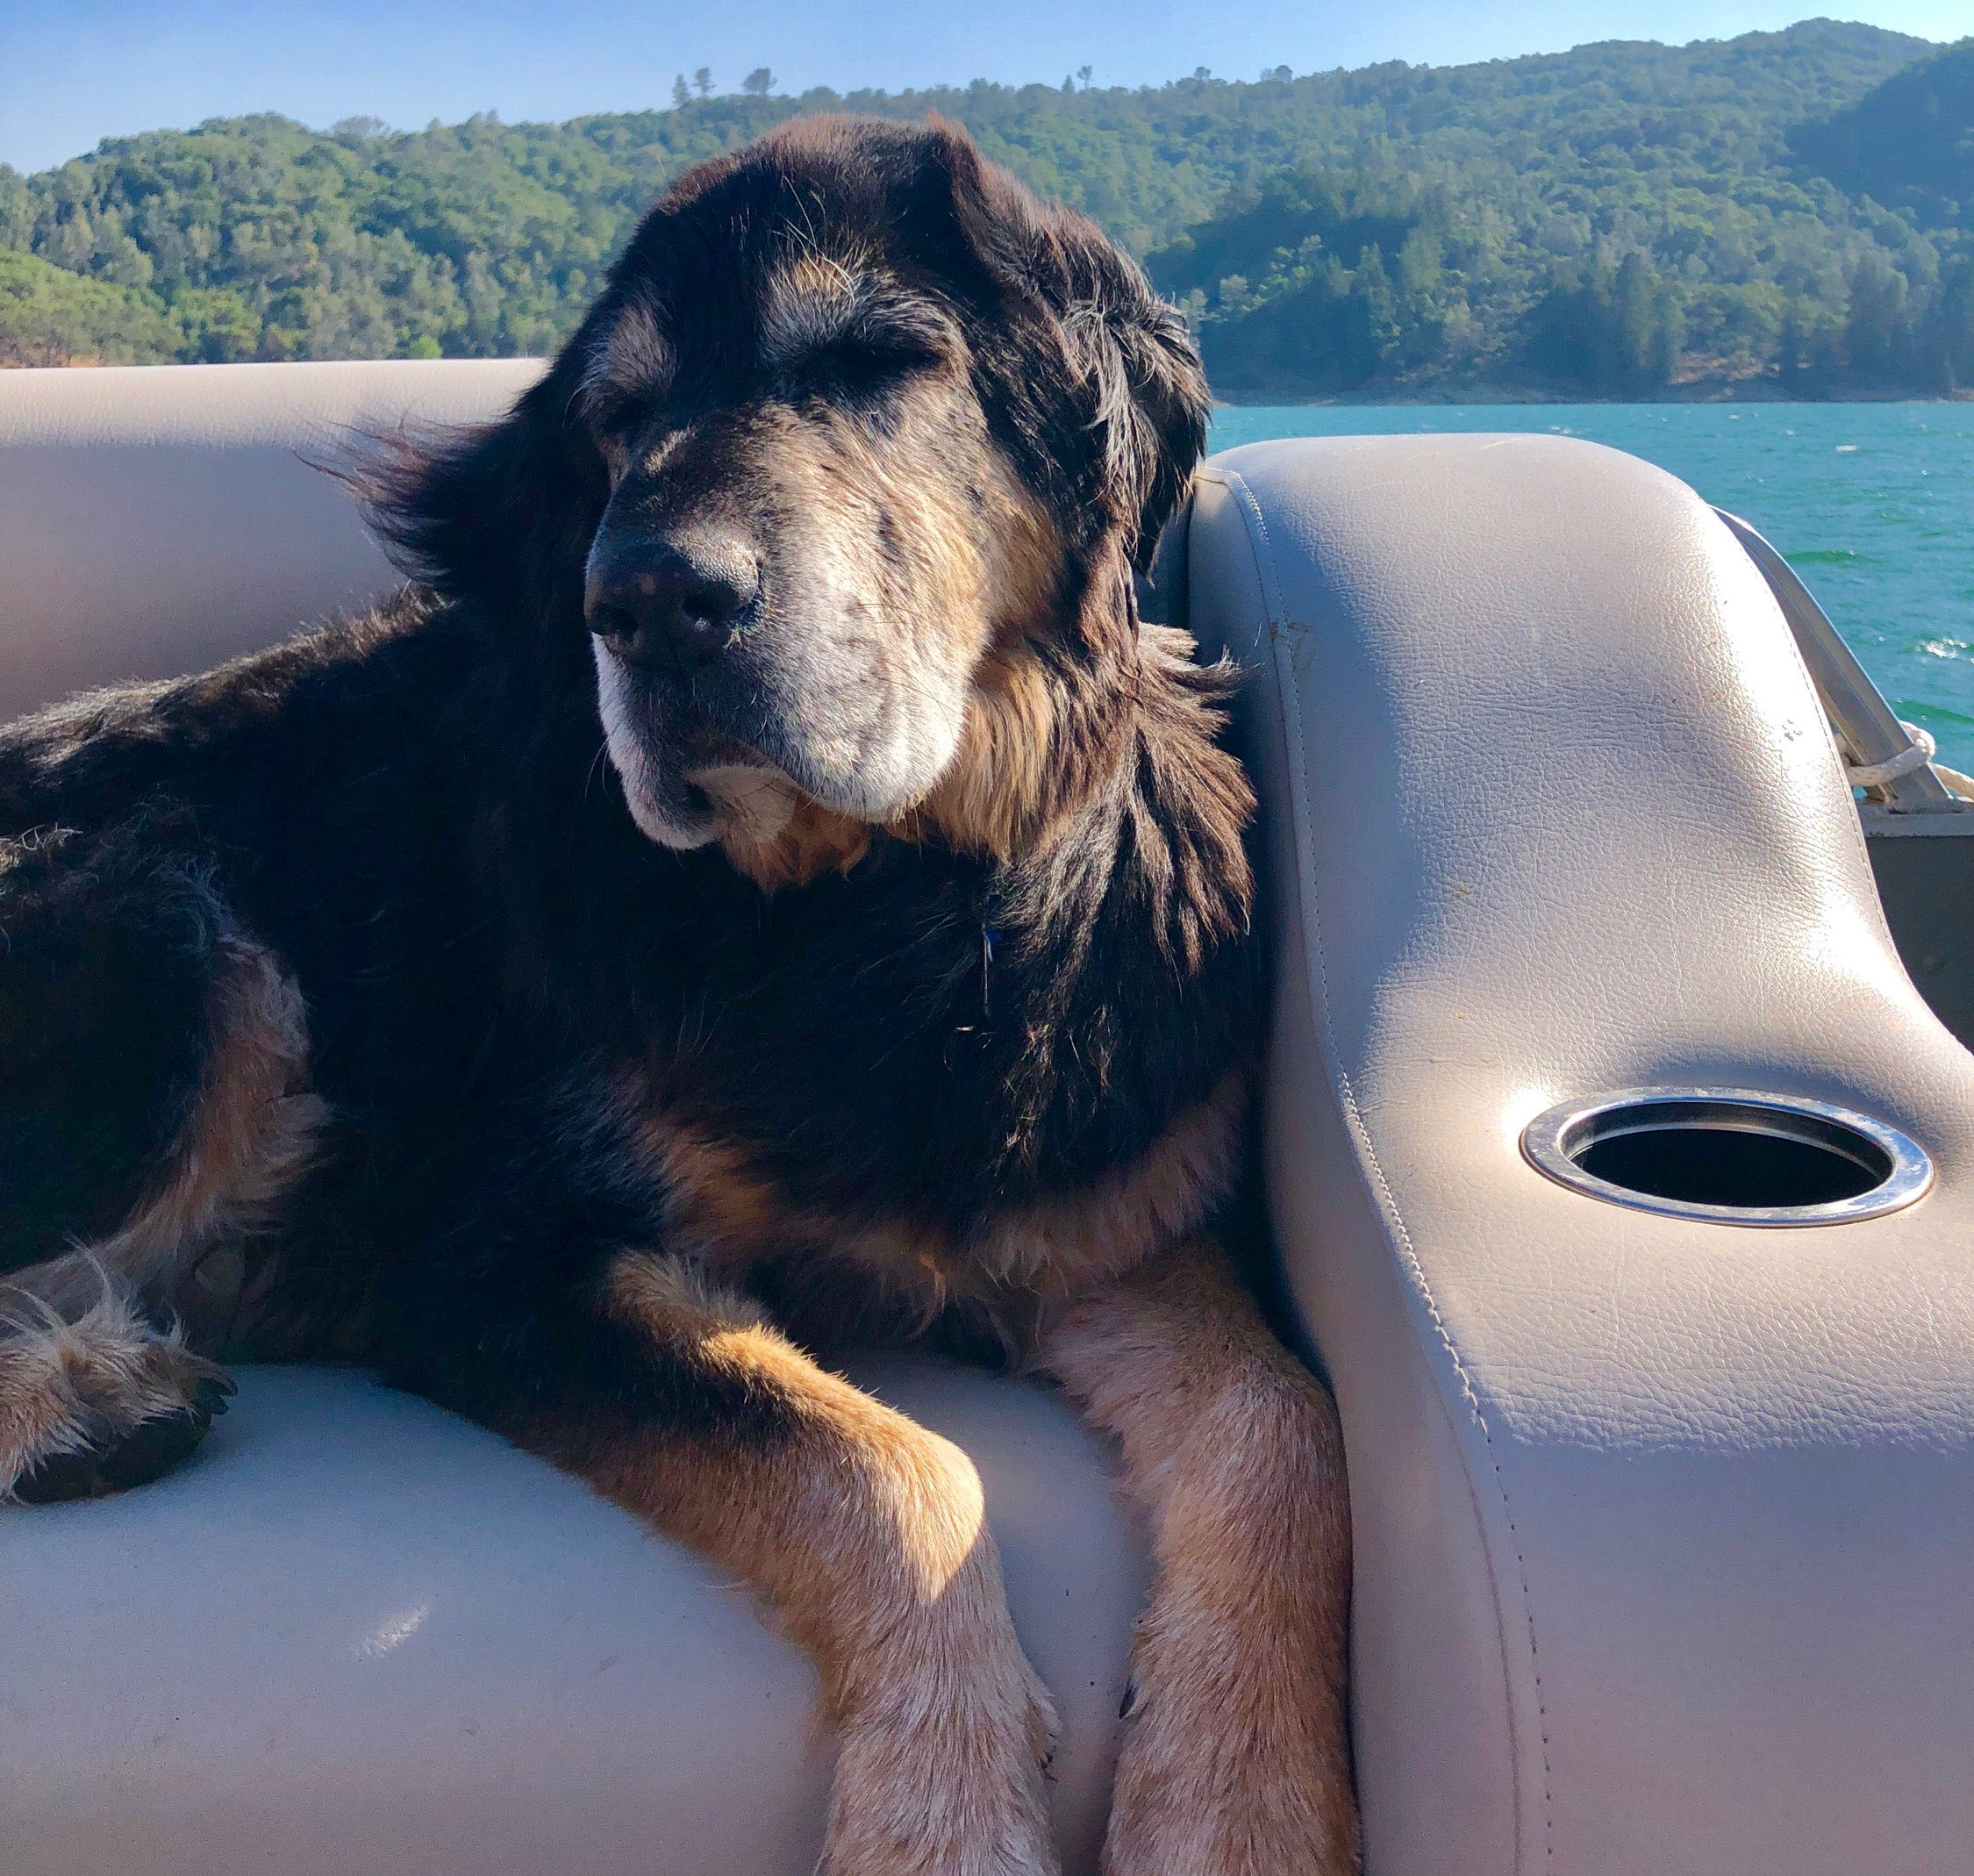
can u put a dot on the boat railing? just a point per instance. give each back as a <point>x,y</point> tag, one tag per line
<point>1889,761</point>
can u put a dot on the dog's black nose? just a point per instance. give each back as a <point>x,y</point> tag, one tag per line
<point>679,597</point>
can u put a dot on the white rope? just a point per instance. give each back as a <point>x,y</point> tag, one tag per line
<point>1916,755</point>
<point>1956,782</point>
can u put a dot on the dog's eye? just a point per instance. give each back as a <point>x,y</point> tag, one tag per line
<point>868,365</point>
<point>617,425</point>
<point>888,355</point>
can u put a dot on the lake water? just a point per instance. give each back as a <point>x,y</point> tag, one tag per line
<point>1873,504</point>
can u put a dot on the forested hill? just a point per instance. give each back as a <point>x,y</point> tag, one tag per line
<point>1627,245</point>
<point>1791,209</point>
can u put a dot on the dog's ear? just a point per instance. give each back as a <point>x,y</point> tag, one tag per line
<point>1134,369</point>
<point>1151,396</point>
<point>502,515</point>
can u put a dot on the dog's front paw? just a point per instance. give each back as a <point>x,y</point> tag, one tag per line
<point>948,1782</point>
<point>1193,1800</point>
<point>99,1404</point>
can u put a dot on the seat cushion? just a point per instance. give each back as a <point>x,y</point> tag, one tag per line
<point>156,520</point>
<point>358,1634</point>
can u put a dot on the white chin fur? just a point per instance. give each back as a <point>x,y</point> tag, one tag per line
<point>655,825</point>
<point>751,805</point>
<point>626,756</point>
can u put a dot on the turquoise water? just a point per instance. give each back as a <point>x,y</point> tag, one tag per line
<point>1872,503</point>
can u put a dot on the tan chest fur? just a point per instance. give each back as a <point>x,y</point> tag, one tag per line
<point>732,1215</point>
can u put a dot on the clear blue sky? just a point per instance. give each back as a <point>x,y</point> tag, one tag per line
<point>73,71</point>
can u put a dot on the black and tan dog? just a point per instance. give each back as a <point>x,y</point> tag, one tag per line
<point>889,975</point>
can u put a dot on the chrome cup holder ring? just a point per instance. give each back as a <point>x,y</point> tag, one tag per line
<point>1729,1155</point>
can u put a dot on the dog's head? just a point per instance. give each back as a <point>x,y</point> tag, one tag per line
<point>847,473</point>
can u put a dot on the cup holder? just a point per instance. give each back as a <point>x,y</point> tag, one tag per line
<point>1728,1155</point>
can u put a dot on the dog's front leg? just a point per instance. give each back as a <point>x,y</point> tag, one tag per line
<point>861,1530</point>
<point>1237,1763</point>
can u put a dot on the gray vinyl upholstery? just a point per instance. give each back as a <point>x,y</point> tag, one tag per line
<point>154,521</point>
<point>356,1637</point>
<point>1664,1529</point>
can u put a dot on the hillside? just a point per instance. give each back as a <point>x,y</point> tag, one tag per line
<point>1909,143</point>
<point>1637,244</point>
<point>1599,221</point>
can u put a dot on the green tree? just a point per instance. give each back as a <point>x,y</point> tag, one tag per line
<point>1875,326</point>
<point>1949,330</point>
<point>50,317</point>
<point>1614,331</point>
<point>220,326</point>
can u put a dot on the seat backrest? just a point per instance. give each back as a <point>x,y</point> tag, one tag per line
<point>155,520</point>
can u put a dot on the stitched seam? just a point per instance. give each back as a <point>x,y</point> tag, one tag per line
<point>1264,558</point>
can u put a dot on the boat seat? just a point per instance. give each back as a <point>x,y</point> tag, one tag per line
<point>155,520</point>
<point>356,1635</point>
<point>1665,1527</point>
